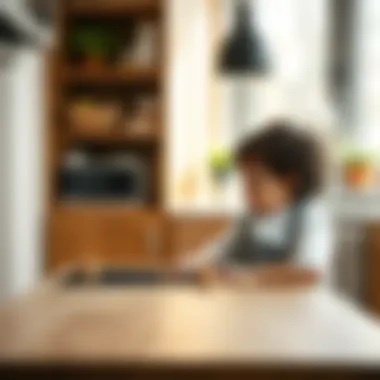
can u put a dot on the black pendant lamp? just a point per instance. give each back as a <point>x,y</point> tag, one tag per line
<point>243,52</point>
<point>10,34</point>
<point>26,22</point>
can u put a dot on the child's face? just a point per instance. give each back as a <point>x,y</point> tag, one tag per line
<point>265,192</point>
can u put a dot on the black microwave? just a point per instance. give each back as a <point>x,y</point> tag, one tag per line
<point>114,177</point>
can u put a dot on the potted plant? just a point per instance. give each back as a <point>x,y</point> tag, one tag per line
<point>221,164</point>
<point>359,170</point>
<point>93,45</point>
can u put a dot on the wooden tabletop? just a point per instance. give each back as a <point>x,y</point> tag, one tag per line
<point>184,325</point>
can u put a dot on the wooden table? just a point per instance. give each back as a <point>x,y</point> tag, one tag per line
<point>155,330</point>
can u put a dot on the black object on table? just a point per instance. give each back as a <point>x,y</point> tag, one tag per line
<point>128,276</point>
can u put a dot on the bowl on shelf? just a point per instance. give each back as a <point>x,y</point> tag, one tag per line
<point>94,118</point>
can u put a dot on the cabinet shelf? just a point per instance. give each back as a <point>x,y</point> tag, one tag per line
<point>114,138</point>
<point>113,7</point>
<point>112,76</point>
<point>116,206</point>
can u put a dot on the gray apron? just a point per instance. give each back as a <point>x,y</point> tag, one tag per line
<point>244,250</point>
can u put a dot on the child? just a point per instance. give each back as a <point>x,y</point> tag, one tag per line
<point>285,236</point>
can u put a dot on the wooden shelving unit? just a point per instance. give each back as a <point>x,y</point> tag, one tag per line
<point>106,233</point>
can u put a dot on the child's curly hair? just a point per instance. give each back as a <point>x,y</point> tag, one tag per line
<point>287,151</point>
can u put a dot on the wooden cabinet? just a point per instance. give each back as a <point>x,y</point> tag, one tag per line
<point>108,236</point>
<point>194,232</point>
<point>373,269</point>
<point>121,237</point>
<point>358,269</point>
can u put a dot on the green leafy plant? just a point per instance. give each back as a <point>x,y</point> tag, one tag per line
<point>358,157</point>
<point>93,42</point>
<point>359,165</point>
<point>220,163</point>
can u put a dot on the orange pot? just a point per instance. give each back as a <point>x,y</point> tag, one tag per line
<point>360,177</point>
<point>94,63</point>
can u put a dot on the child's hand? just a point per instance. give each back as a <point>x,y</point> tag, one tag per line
<point>229,277</point>
<point>240,278</point>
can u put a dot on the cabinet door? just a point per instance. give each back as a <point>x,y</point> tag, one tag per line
<point>131,238</point>
<point>189,234</point>
<point>108,237</point>
<point>73,238</point>
<point>372,273</point>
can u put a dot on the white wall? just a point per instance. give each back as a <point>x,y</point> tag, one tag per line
<point>4,177</point>
<point>366,74</point>
<point>25,170</point>
<point>295,34</point>
<point>188,39</point>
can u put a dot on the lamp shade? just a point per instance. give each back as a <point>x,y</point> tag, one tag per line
<point>10,34</point>
<point>243,51</point>
<point>26,23</point>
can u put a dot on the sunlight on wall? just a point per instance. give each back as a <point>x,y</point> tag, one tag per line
<point>295,34</point>
<point>188,97</point>
<point>367,74</point>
